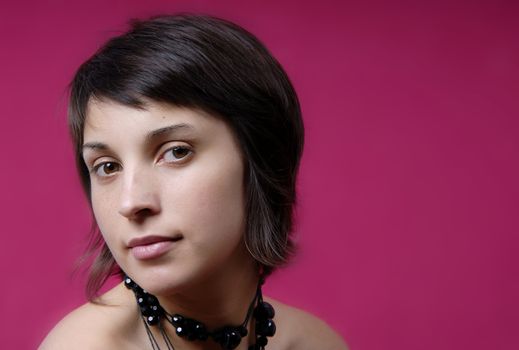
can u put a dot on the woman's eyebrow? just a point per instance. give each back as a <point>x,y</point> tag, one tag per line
<point>95,146</point>
<point>168,129</point>
<point>149,136</point>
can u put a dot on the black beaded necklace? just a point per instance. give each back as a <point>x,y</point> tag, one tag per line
<point>229,337</point>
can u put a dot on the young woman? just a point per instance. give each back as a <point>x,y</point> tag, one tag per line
<point>188,137</point>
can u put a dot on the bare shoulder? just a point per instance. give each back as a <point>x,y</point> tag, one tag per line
<point>90,326</point>
<point>301,330</point>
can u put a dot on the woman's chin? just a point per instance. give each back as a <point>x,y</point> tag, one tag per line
<point>166,283</point>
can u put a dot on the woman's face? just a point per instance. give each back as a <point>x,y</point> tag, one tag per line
<point>167,192</point>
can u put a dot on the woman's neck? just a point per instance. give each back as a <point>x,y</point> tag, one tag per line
<point>221,299</point>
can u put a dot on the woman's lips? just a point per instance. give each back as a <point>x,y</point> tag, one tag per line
<point>151,247</point>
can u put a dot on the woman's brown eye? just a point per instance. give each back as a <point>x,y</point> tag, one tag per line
<point>176,154</point>
<point>106,169</point>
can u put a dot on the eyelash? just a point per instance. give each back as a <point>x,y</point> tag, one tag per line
<point>176,148</point>
<point>95,169</point>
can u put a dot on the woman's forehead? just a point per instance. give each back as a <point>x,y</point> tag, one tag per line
<point>107,115</point>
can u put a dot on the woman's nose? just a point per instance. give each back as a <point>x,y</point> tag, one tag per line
<point>139,197</point>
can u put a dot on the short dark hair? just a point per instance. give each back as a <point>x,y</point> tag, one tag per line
<point>214,65</point>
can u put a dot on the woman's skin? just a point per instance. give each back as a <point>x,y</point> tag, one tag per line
<point>167,189</point>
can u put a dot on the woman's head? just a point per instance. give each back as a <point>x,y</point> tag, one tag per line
<point>214,67</point>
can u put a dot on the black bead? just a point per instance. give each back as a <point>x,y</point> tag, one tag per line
<point>231,339</point>
<point>145,310</point>
<point>243,331</point>
<point>151,299</point>
<point>177,320</point>
<point>181,332</point>
<point>262,341</point>
<point>190,326</point>
<point>265,328</point>
<point>150,310</point>
<point>201,332</point>
<point>228,337</point>
<point>152,320</point>
<point>264,310</point>
<point>128,282</point>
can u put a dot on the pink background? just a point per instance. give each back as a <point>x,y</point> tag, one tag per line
<point>408,216</point>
